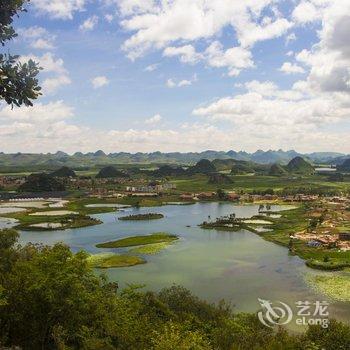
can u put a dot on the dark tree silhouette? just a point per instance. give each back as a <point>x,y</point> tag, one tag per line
<point>18,80</point>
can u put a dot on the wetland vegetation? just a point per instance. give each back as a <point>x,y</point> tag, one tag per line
<point>147,216</point>
<point>159,237</point>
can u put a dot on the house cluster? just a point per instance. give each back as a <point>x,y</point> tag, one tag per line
<point>102,192</point>
<point>151,188</point>
<point>11,181</point>
<point>340,241</point>
<point>197,196</point>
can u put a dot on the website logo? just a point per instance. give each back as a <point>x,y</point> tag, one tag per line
<point>279,313</point>
<point>274,314</point>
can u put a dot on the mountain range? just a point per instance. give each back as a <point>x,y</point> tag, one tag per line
<point>79,159</point>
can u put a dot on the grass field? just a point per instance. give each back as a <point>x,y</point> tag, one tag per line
<point>336,287</point>
<point>150,249</point>
<point>110,260</point>
<point>252,183</point>
<point>159,237</point>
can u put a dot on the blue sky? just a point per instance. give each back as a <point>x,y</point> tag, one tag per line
<point>176,75</point>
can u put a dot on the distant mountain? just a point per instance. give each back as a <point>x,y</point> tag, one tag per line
<point>99,158</point>
<point>64,172</point>
<point>204,166</point>
<point>99,154</point>
<point>324,157</point>
<point>168,170</point>
<point>277,170</point>
<point>219,179</point>
<point>110,172</point>
<point>224,164</point>
<point>273,156</point>
<point>345,166</point>
<point>299,165</point>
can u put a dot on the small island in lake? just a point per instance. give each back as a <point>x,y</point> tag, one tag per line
<point>159,237</point>
<point>111,260</point>
<point>148,216</point>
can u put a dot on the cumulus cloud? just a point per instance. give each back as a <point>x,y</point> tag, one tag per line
<point>154,120</point>
<point>99,82</point>
<point>60,9</point>
<point>89,24</point>
<point>290,68</point>
<point>38,37</point>
<point>109,18</point>
<point>51,85</point>
<point>306,12</point>
<point>40,112</point>
<point>52,66</point>
<point>186,53</point>
<point>235,58</point>
<point>329,60</point>
<point>171,83</point>
<point>151,67</point>
<point>266,111</point>
<point>158,24</point>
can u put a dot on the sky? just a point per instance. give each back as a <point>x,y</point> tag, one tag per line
<point>183,75</point>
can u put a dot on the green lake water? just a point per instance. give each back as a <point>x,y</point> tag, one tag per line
<point>237,266</point>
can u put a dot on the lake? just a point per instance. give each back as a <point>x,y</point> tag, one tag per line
<point>237,266</point>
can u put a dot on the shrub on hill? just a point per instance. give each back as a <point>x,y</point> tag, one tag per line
<point>336,177</point>
<point>204,166</point>
<point>64,172</point>
<point>242,167</point>
<point>224,164</point>
<point>218,178</point>
<point>168,170</point>
<point>345,166</point>
<point>109,172</point>
<point>41,183</point>
<point>277,170</point>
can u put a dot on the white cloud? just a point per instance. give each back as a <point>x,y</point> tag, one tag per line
<point>89,24</point>
<point>57,77</point>
<point>129,7</point>
<point>184,82</point>
<point>99,82</point>
<point>171,83</point>
<point>306,12</point>
<point>329,60</point>
<point>51,85</point>
<point>235,58</point>
<point>48,62</point>
<point>42,44</point>
<point>268,109</point>
<point>186,53</point>
<point>154,120</point>
<point>290,37</point>
<point>38,37</point>
<point>275,118</point>
<point>290,68</point>
<point>151,67</point>
<point>60,9</point>
<point>159,24</point>
<point>109,18</point>
<point>40,112</point>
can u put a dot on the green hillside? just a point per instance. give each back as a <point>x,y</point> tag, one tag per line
<point>277,170</point>
<point>64,172</point>
<point>110,172</point>
<point>41,183</point>
<point>299,165</point>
